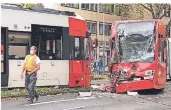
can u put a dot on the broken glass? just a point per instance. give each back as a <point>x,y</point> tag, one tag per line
<point>136,41</point>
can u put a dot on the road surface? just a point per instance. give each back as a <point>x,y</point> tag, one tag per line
<point>98,101</point>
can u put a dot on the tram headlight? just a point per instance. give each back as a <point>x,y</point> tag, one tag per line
<point>149,73</point>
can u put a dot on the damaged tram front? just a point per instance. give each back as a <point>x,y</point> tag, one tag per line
<point>138,55</point>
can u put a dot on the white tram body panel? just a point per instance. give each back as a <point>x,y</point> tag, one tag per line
<point>52,72</point>
<point>19,20</point>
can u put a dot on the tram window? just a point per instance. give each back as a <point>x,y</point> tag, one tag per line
<point>161,54</point>
<point>86,49</point>
<point>2,51</point>
<point>77,49</point>
<point>113,52</point>
<point>18,45</point>
<point>50,47</point>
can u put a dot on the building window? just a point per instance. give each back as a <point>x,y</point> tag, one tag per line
<point>90,7</point>
<point>168,32</point>
<point>83,6</point>
<point>74,5</point>
<point>167,11</point>
<point>111,9</point>
<point>94,7</point>
<point>117,10</point>
<point>106,8</point>
<point>101,8</point>
<point>89,26</point>
<point>100,28</point>
<point>107,29</point>
<point>94,27</point>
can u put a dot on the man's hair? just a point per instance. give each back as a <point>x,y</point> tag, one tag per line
<point>34,47</point>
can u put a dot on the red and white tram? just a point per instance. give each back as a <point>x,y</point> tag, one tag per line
<point>61,38</point>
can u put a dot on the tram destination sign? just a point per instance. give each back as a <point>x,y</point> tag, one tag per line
<point>47,29</point>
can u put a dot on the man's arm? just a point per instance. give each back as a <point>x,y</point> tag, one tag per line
<point>37,68</point>
<point>22,72</point>
<point>23,68</point>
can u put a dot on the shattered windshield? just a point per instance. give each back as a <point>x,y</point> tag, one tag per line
<point>136,41</point>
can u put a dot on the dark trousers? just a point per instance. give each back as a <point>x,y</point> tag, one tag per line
<point>30,84</point>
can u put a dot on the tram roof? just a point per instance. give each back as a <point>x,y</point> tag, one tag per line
<point>39,10</point>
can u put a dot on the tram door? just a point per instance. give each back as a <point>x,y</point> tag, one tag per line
<point>4,57</point>
<point>79,63</point>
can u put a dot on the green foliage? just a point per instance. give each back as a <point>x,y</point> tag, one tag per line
<point>96,76</point>
<point>30,5</point>
<point>43,90</point>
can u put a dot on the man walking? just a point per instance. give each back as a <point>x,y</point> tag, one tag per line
<point>30,67</point>
<point>100,65</point>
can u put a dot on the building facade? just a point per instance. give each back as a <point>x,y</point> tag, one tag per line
<point>95,15</point>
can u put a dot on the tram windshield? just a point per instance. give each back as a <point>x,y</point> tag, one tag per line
<point>136,41</point>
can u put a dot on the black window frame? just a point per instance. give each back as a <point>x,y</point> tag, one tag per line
<point>167,11</point>
<point>94,8</point>
<point>168,31</point>
<point>89,21</point>
<point>82,7</point>
<point>109,29</point>
<point>106,11</point>
<point>95,33</point>
<point>39,33</point>
<point>102,28</point>
<point>100,9</point>
<point>117,7</point>
<point>70,5</point>
<point>10,44</point>
<point>88,7</point>
<point>109,10</point>
<point>112,9</point>
<point>161,49</point>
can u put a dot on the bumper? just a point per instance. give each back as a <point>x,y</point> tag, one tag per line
<point>135,85</point>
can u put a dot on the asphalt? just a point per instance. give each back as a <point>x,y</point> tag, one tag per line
<point>97,101</point>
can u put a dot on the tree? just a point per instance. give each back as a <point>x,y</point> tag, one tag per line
<point>158,11</point>
<point>30,5</point>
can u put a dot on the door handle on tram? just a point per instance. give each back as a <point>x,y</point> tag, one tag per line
<point>19,63</point>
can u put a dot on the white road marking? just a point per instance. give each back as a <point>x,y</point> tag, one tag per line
<point>41,103</point>
<point>73,108</point>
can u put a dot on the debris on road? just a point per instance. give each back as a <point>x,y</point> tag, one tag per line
<point>95,87</point>
<point>85,94</point>
<point>132,93</point>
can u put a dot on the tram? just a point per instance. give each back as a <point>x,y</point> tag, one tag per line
<point>62,40</point>
<point>140,55</point>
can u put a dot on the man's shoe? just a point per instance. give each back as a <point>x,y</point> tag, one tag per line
<point>30,101</point>
<point>37,97</point>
